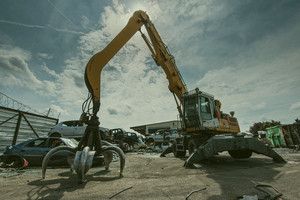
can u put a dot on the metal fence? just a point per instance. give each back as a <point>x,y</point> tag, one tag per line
<point>17,126</point>
<point>291,134</point>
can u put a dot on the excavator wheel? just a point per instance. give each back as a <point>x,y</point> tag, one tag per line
<point>192,147</point>
<point>240,154</point>
<point>178,154</point>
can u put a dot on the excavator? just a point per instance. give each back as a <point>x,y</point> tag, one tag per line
<point>205,131</point>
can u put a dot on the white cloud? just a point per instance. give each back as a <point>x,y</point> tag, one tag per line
<point>14,63</point>
<point>295,106</point>
<point>258,89</point>
<point>44,56</point>
<point>58,110</point>
<point>258,106</point>
<point>49,71</point>
<point>17,73</point>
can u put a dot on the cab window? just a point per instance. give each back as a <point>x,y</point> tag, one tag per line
<point>205,108</point>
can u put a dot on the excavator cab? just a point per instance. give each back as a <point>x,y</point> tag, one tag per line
<point>199,111</point>
<point>202,114</point>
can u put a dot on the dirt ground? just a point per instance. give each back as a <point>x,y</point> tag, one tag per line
<point>152,177</point>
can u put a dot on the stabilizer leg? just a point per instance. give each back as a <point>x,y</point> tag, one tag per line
<point>220,143</point>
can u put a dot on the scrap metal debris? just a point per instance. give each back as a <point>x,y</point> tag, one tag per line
<point>194,191</point>
<point>270,193</point>
<point>10,172</point>
<point>120,192</point>
<point>248,197</point>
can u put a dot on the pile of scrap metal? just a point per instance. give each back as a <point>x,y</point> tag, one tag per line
<point>287,135</point>
<point>127,141</point>
<point>75,129</point>
<point>162,137</point>
<point>265,192</point>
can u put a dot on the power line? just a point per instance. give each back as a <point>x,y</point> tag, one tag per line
<point>64,16</point>
<point>42,27</point>
<point>61,13</point>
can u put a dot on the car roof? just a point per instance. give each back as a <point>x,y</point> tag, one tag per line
<point>43,138</point>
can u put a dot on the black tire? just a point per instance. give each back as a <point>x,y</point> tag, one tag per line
<point>178,154</point>
<point>167,139</point>
<point>240,154</point>
<point>125,147</point>
<point>14,161</point>
<point>150,142</point>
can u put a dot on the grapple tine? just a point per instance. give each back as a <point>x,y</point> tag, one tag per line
<point>120,153</point>
<point>51,153</point>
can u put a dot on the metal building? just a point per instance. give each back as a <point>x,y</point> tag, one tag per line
<point>151,128</point>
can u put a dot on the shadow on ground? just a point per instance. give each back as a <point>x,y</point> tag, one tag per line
<point>66,182</point>
<point>239,177</point>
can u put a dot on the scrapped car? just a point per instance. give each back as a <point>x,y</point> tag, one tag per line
<point>126,140</point>
<point>134,140</point>
<point>72,129</point>
<point>162,136</point>
<point>34,150</point>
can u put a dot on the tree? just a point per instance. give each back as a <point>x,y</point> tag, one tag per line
<point>262,126</point>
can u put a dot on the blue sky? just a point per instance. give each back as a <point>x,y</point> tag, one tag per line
<point>245,53</point>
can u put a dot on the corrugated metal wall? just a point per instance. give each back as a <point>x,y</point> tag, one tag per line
<point>30,126</point>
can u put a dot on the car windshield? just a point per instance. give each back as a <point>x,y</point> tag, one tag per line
<point>36,143</point>
<point>70,142</point>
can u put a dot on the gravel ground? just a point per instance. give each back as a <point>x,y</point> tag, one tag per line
<point>152,177</point>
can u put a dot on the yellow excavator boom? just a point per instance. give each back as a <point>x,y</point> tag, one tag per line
<point>158,49</point>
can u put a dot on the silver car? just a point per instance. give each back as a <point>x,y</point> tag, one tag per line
<point>70,129</point>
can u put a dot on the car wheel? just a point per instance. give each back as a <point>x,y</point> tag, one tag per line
<point>14,161</point>
<point>150,142</point>
<point>125,147</point>
<point>178,154</point>
<point>167,139</point>
<point>116,157</point>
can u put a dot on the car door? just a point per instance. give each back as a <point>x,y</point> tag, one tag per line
<point>67,129</point>
<point>35,151</point>
<point>59,158</point>
<point>79,129</point>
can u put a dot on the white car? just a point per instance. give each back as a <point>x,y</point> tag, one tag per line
<point>70,129</point>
